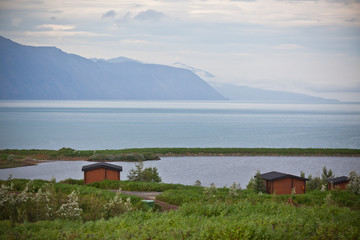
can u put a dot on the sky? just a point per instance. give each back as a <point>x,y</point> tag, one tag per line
<point>303,46</point>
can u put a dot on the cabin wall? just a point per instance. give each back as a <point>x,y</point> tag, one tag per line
<point>282,186</point>
<point>341,186</point>
<point>94,175</point>
<point>112,175</point>
<point>299,186</point>
<point>97,175</point>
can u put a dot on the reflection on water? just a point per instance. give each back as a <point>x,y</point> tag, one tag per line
<point>186,170</point>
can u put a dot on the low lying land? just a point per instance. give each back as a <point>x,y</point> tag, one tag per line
<point>203,213</point>
<point>17,158</point>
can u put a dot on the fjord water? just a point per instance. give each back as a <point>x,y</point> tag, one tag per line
<point>186,170</point>
<point>137,124</point>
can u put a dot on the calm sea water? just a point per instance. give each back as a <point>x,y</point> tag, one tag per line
<point>121,124</point>
<point>186,170</point>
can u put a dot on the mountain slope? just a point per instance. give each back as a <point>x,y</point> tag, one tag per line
<point>249,94</point>
<point>48,73</point>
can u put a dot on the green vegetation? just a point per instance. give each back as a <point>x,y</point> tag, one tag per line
<point>126,157</point>
<point>24,200</point>
<point>16,158</point>
<point>144,175</point>
<point>205,213</point>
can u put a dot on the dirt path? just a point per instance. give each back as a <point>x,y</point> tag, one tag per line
<point>152,196</point>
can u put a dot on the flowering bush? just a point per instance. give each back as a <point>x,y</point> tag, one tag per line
<point>210,192</point>
<point>234,190</point>
<point>354,184</point>
<point>117,206</point>
<point>71,209</point>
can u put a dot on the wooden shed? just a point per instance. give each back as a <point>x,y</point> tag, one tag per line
<point>282,183</point>
<point>99,171</point>
<point>338,182</point>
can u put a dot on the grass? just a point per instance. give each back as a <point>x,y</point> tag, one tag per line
<point>16,157</point>
<point>245,216</point>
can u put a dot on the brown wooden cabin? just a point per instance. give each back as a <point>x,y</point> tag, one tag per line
<point>282,183</point>
<point>338,183</point>
<point>99,171</point>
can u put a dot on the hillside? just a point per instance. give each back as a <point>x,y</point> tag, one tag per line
<point>28,72</point>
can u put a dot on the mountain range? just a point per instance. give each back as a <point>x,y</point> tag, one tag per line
<point>47,73</point>
<point>28,72</point>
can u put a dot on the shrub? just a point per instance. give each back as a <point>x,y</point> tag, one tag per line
<point>251,184</point>
<point>259,186</point>
<point>71,209</point>
<point>116,206</point>
<point>314,183</point>
<point>127,157</point>
<point>197,183</point>
<point>354,184</point>
<point>234,190</point>
<point>210,192</point>
<point>143,175</point>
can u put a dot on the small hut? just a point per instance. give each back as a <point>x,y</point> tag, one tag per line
<point>338,182</point>
<point>99,171</point>
<point>283,183</point>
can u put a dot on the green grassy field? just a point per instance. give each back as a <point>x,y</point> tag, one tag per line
<point>220,215</point>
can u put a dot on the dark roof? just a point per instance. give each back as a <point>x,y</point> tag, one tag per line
<point>271,176</point>
<point>339,180</point>
<point>102,165</point>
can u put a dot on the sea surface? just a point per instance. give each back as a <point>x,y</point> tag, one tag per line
<point>186,170</point>
<point>137,124</point>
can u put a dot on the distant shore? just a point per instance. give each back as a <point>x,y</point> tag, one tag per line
<point>10,158</point>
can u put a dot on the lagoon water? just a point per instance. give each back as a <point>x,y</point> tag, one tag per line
<point>186,170</point>
<point>136,124</point>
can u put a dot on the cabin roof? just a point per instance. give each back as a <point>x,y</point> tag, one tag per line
<point>338,180</point>
<point>102,165</point>
<point>272,176</point>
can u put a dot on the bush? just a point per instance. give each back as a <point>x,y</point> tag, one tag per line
<point>144,175</point>
<point>210,192</point>
<point>354,184</point>
<point>48,200</point>
<point>126,157</point>
<point>259,186</point>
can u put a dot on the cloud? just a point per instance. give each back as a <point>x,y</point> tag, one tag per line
<point>16,22</point>
<point>109,15</point>
<point>55,27</point>
<point>149,15</point>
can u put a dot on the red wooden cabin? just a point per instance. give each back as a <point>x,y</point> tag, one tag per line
<point>282,183</point>
<point>338,182</point>
<point>99,171</point>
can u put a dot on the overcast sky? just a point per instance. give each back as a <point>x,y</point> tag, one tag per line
<point>293,45</point>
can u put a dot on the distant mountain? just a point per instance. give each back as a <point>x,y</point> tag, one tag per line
<point>249,94</point>
<point>48,73</point>
<point>201,73</point>
<point>115,60</point>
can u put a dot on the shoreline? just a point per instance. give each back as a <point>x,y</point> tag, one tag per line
<point>10,158</point>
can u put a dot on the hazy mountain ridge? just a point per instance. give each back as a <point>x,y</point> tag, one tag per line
<point>250,94</point>
<point>28,72</point>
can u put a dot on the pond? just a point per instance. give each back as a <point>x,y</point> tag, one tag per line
<point>186,170</point>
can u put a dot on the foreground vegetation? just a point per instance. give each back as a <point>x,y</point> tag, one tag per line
<point>204,213</point>
<point>16,158</point>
